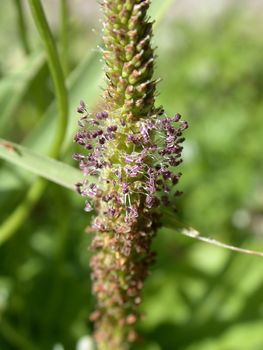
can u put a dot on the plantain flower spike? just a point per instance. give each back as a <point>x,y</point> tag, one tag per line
<point>132,149</point>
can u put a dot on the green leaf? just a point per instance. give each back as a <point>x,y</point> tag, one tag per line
<point>13,87</point>
<point>46,167</point>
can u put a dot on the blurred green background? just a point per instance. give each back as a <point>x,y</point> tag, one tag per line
<point>198,297</point>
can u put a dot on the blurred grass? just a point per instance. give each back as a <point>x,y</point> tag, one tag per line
<point>198,296</point>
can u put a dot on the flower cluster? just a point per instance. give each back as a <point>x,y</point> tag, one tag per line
<point>146,158</point>
<point>135,167</point>
<point>132,150</point>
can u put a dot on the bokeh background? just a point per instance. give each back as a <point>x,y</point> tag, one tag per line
<point>198,297</point>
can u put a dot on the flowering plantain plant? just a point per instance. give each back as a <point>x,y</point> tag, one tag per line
<point>133,148</point>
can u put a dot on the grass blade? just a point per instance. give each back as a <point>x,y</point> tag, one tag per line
<point>170,221</point>
<point>44,166</point>
<point>13,87</point>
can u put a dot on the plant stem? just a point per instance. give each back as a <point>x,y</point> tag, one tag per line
<point>64,29</point>
<point>169,221</point>
<point>21,213</point>
<point>56,73</point>
<point>22,26</point>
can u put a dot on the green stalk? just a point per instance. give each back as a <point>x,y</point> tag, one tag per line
<point>56,73</point>
<point>22,26</point>
<point>21,213</point>
<point>64,29</point>
<point>16,219</point>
